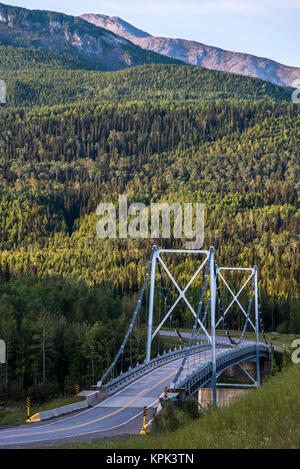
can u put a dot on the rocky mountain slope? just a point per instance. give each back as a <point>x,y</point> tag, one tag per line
<point>196,53</point>
<point>78,38</point>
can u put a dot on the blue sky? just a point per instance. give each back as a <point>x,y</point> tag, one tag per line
<point>267,28</point>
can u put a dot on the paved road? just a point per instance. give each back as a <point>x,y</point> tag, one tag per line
<point>111,414</point>
<point>187,335</point>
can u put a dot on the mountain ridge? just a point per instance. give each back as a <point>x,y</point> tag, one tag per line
<point>117,25</point>
<point>48,29</point>
<point>196,53</point>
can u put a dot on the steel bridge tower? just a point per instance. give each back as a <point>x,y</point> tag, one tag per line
<point>215,275</point>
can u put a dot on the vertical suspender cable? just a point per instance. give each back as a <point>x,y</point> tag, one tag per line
<point>167,301</point>
<point>195,324</point>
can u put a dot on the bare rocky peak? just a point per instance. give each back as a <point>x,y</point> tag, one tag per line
<point>73,35</point>
<point>116,25</point>
<point>196,53</point>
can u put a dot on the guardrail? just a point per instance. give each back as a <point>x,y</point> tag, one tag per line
<point>67,409</point>
<point>89,401</point>
<point>141,369</point>
<point>203,375</point>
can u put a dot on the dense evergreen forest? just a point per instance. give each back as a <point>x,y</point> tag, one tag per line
<point>38,77</point>
<point>72,138</point>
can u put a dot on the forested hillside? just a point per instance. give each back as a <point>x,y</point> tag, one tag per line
<point>77,39</point>
<point>156,132</point>
<point>37,77</point>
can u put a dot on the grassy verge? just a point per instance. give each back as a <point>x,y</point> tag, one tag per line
<point>17,413</point>
<point>264,418</point>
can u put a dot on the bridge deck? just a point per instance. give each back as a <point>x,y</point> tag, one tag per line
<point>114,412</point>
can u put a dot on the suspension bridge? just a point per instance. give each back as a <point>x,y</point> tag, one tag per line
<point>199,360</point>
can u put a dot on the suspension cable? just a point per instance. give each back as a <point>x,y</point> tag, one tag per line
<point>261,323</point>
<point>121,349</point>
<point>235,342</point>
<point>248,315</point>
<point>195,323</point>
<point>159,311</point>
<point>204,315</point>
<point>221,309</point>
<point>166,299</point>
<point>130,351</point>
<point>138,335</point>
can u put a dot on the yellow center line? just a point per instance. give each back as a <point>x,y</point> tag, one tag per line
<point>105,416</point>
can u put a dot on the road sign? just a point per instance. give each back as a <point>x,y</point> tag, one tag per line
<point>145,411</point>
<point>76,388</point>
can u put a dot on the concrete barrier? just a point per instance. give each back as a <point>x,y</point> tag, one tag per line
<point>94,397</point>
<point>34,418</point>
<point>91,398</point>
<point>67,409</point>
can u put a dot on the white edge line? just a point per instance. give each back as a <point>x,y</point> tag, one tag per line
<point>94,407</point>
<point>86,433</point>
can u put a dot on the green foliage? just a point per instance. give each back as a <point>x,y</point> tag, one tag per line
<point>169,419</point>
<point>58,332</point>
<point>15,412</point>
<point>277,362</point>
<point>191,408</point>
<point>267,418</point>
<point>42,80</point>
<point>31,60</point>
<point>156,133</point>
<point>239,158</point>
<point>283,358</point>
<point>172,417</point>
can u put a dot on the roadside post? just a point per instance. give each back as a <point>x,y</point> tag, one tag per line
<point>145,428</point>
<point>28,406</point>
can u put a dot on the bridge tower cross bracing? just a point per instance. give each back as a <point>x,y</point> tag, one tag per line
<point>156,258</point>
<point>215,273</point>
<point>254,325</point>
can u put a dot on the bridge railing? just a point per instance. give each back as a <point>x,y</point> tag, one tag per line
<point>141,369</point>
<point>230,358</point>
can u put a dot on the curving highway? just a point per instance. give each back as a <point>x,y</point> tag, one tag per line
<point>115,413</point>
